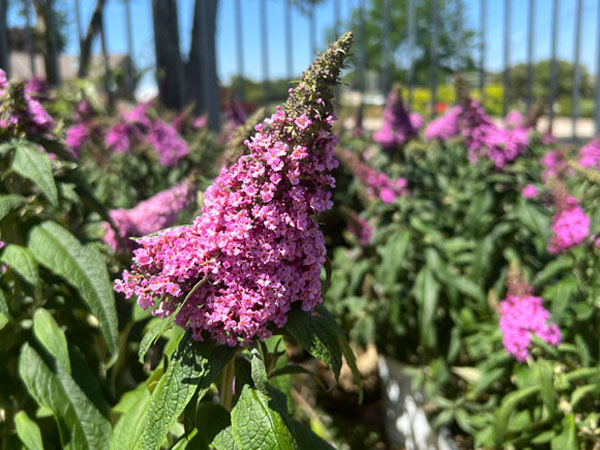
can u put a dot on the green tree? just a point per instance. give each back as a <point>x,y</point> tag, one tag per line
<point>448,49</point>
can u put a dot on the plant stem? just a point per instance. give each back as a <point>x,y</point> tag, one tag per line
<point>226,391</point>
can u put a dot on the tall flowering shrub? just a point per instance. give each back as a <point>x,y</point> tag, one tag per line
<point>589,154</point>
<point>152,215</point>
<point>256,248</point>
<point>521,316</point>
<point>399,125</point>
<point>570,224</point>
<point>378,184</point>
<point>485,139</point>
<point>19,112</point>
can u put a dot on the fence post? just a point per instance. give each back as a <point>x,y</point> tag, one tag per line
<point>29,37</point>
<point>506,77</point>
<point>459,35</point>
<point>312,31</point>
<point>576,72</point>
<point>53,65</point>
<point>554,65</point>
<point>530,34</point>
<point>597,105</point>
<point>433,55</point>
<point>107,72</point>
<point>336,17</point>
<point>289,56</point>
<point>385,48</point>
<point>411,50</point>
<point>264,49</point>
<point>4,52</point>
<point>482,14</point>
<point>240,49</point>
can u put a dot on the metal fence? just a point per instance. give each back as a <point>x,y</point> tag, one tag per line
<point>340,12</point>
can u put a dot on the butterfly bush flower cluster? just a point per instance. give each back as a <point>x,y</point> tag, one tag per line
<point>485,139</point>
<point>399,126</point>
<point>378,184</point>
<point>554,163</point>
<point>137,126</point>
<point>445,127</point>
<point>149,216</point>
<point>19,112</point>
<point>570,224</point>
<point>530,191</point>
<point>589,154</point>
<point>256,249</point>
<point>522,315</point>
<point>359,227</point>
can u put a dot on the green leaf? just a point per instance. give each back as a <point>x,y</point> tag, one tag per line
<point>3,320</point>
<point>161,327</point>
<point>553,268</point>
<point>194,366</point>
<point>256,426</point>
<point>224,440</point>
<point>31,163</point>
<point>28,431</point>
<point>21,261</point>
<point>128,430</point>
<point>61,253</point>
<point>503,413</point>
<point>4,305</point>
<point>533,218</point>
<point>8,203</point>
<point>211,420</point>
<point>51,337</point>
<point>318,334</point>
<point>545,377</point>
<point>567,440</point>
<point>306,438</point>
<point>426,292</point>
<point>80,424</point>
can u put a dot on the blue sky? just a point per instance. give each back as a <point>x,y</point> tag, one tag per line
<point>226,37</point>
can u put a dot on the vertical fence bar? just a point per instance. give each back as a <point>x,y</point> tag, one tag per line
<point>576,72</point>
<point>336,17</point>
<point>506,77</point>
<point>54,77</point>
<point>553,65</point>
<point>128,28</point>
<point>240,50</point>
<point>530,34</point>
<point>264,49</point>
<point>107,72</point>
<point>597,106</point>
<point>361,48</point>
<point>434,57</point>
<point>411,50</point>
<point>385,48</point>
<point>459,35</point>
<point>29,37</point>
<point>4,56</point>
<point>78,20</point>
<point>482,14</point>
<point>312,31</point>
<point>289,55</point>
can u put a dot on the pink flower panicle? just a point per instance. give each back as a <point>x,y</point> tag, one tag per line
<point>360,228</point>
<point>19,113</point>
<point>256,249</point>
<point>149,216</point>
<point>485,139</point>
<point>399,126</point>
<point>521,315</point>
<point>554,164</point>
<point>589,155</point>
<point>76,137</point>
<point>514,119</point>
<point>121,136</point>
<point>169,145</point>
<point>378,184</point>
<point>570,224</point>
<point>445,127</point>
<point>530,191</point>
